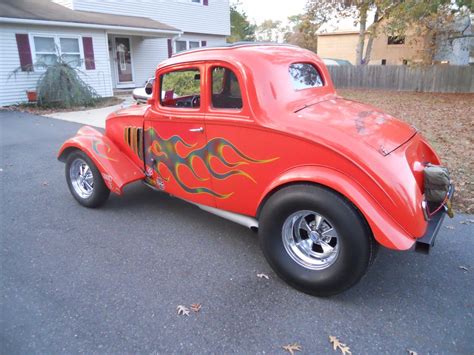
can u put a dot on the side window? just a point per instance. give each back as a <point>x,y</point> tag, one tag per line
<point>304,76</point>
<point>225,89</point>
<point>181,88</point>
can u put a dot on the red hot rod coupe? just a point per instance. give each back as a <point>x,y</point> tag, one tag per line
<point>257,134</point>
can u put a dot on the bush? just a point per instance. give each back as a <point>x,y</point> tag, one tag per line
<point>61,86</point>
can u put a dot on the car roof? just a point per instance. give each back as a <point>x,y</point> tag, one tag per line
<point>240,52</point>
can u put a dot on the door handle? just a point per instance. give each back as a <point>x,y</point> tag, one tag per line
<point>200,129</point>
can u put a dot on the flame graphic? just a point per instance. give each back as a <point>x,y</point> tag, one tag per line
<point>163,152</point>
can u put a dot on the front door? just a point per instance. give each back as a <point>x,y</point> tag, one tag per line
<point>123,60</point>
<point>175,138</point>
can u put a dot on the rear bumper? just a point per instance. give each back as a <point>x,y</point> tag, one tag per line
<point>425,243</point>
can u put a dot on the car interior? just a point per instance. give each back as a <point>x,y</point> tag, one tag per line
<point>182,89</point>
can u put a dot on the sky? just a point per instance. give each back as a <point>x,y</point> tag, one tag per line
<point>260,10</point>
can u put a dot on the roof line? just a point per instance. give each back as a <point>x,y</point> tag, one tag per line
<point>232,46</point>
<point>88,25</point>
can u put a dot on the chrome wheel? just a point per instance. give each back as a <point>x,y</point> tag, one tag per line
<point>310,240</point>
<point>82,179</point>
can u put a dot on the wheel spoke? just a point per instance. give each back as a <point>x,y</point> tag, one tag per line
<point>327,231</point>
<point>305,245</point>
<point>305,226</point>
<point>318,220</point>
<point>327,249</point>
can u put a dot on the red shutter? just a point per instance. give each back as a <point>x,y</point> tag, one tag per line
<point>88,53</point>
<point>24,51</point>
<point>203,43</point>
<point>205,2</point>
<point>170,48</point>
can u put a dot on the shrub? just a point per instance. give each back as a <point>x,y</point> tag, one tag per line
<point>61,86</point>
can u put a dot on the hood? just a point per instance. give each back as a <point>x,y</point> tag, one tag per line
<point>363,122</point>
<point>134,110</point>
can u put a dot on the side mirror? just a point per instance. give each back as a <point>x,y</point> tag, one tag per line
<point>149,90</point>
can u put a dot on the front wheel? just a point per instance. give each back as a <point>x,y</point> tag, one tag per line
<point>85,181</point>
<point>315,239</point>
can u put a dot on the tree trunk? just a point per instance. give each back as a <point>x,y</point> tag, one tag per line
<point>362,27</point>
<point>373,34</point>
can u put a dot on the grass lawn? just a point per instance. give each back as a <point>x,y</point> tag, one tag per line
<point>447,122</point>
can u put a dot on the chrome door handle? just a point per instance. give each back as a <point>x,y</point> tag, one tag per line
<point>200,129</point>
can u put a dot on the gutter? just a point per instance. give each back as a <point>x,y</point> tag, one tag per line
<point>88,25</point>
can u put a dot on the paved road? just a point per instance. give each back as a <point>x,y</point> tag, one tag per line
<point>109,280</point>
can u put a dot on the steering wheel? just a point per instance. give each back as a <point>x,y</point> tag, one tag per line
<point>196,101</point>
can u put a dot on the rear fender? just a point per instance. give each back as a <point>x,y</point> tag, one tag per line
<point>116,168</point>
<point>385,230</point>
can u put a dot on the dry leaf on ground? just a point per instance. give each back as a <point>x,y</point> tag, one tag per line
<point>291,348</point>
<point>182,310</point>
<point>195,307</point>
<point>449,227</point>
<point>337,345</point>
<point>45,183</point>
<point>466,221</point>
<point>411,352</point>
<point>263,276</point>
<point>462,267</point>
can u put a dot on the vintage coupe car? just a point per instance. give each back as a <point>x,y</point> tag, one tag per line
<point>257,134</point>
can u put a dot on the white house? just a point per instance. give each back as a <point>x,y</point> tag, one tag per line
<point>115,43</point>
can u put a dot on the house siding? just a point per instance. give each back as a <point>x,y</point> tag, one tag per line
<point>13,86</point>
<point>212,19</point>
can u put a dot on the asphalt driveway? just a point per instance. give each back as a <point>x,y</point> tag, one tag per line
<point>109,280</point>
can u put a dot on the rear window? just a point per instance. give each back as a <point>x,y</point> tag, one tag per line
<point>304,76</point>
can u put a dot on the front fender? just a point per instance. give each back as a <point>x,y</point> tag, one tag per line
<point>116,168</point>
<point>385,230</point>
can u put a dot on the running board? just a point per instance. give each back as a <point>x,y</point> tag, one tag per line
<point>241,219</point>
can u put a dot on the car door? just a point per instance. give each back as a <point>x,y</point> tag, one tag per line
<point>241,153</point>
<point>175,137</point>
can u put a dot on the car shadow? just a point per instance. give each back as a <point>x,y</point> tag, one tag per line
<point>394,275</point>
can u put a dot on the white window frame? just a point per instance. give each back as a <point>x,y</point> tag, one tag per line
<point>57,43</point>
<point>187,44</point>
<point>190,2</point>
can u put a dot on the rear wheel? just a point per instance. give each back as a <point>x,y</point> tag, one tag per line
<point>315,239</point>
<point>85,181</point>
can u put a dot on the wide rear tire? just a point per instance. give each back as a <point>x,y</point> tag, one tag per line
<point>315,239</point>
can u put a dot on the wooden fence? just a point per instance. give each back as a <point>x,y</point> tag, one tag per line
<point>441,78</point>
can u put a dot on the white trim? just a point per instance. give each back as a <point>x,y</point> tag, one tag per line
<point>118,83</point>
<point>56,37</point>
<point>88,25</point>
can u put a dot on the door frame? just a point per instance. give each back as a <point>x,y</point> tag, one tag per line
<point>119,84</point>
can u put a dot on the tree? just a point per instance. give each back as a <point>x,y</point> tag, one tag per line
<point>324,11</point>
<point>269,31</point>
<point>240,27</point>
<point>302,32</point>
<point>442,20</point>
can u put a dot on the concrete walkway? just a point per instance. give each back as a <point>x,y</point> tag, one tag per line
<point>95,117</point>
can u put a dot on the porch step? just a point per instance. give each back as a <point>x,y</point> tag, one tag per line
<point>122,92</point>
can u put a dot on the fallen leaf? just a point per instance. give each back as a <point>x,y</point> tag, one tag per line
<point>467,221</point>
<point>449,227</point>
<point>291,348</point>
<point>263,276</point>
<point>465,268</point>
<point>182,310</point>
<point>195,307</point>
<point>411,352</point>
<point>336,344</point>
<point>45,183</point>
